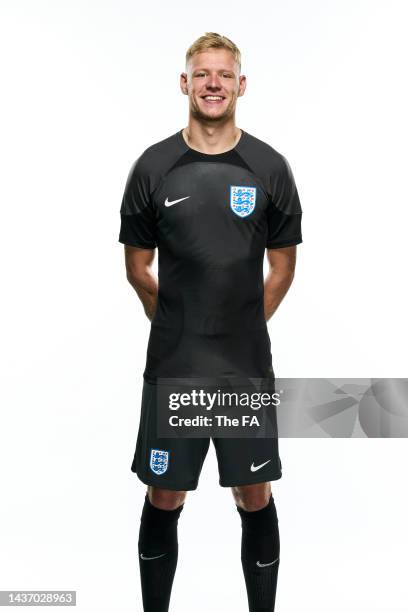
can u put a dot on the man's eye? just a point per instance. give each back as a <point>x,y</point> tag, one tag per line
<point>200,74</point>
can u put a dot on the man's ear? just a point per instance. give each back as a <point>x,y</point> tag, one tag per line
<point>242,84</point>
<point>183,83</point>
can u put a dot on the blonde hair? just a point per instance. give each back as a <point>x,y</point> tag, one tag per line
<point>212,40</point>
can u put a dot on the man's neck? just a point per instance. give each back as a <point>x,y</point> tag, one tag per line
<point>211,140</point>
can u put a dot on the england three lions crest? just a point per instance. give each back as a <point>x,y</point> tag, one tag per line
<point>242,200</point>
<point>159,461</point>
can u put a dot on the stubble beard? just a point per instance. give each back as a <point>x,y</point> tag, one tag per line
<point>198,114</point>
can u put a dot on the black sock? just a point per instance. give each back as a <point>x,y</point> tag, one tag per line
<point>158,551</point>
<point>260,556</point>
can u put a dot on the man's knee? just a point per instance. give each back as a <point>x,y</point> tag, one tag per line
<point>165,499</point>
<point>252,497</point>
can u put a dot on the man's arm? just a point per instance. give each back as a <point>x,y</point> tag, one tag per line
<point>140,275</point>
<point>281,272</point>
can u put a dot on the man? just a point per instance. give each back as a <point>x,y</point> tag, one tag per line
<point>212,198</point>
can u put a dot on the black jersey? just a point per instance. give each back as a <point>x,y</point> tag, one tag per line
<point>211,216</point>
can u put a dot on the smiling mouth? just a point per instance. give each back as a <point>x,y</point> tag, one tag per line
<point>209,99</point>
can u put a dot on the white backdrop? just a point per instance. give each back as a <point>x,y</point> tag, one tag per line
<point>86,87</point>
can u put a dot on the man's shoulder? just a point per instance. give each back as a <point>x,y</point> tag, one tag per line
<point>156,157</point>
<point>262,152</point>
<point>269,164</point>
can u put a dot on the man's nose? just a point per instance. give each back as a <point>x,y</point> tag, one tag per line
<point>213,82</point>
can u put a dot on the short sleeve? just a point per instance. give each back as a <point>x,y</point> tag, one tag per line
<point>284,210</point>
<point>137,215</point>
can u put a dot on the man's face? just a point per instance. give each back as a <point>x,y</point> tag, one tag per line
<point>213,84</point>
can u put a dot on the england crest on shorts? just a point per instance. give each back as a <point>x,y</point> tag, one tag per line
<point>159,461</point>
<point>242,200</point>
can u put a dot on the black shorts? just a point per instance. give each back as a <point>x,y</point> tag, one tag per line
<point>175,463</point>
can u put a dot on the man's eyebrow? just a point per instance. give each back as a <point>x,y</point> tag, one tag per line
<point>220,70</point>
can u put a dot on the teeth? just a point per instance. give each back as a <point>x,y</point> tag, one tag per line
<point>213,98</point>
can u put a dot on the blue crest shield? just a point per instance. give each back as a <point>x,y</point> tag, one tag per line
<point>242,200</point>
<point>159,461</point>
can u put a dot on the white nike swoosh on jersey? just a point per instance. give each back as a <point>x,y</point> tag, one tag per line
<point>151,558</point>
<point>259,564</point>
<point>167,203</point>
<point>258,467</point>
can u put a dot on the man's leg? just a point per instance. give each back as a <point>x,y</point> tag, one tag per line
<point>158,546</point>
<point>260,547</point>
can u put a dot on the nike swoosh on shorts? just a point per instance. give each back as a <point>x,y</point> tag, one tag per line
<point>258,467</point>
